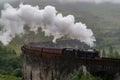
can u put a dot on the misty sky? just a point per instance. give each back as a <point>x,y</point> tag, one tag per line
<point>3,1</point>
<point>96,1</point>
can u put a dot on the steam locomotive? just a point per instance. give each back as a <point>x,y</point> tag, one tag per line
<point>92,53</point>
<point>83,53</point>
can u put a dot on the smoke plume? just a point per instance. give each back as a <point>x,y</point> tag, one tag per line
<point>48,19</point>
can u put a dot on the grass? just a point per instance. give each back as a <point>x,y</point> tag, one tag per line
<point>8,77</point>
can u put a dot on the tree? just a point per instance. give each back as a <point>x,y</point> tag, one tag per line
<point>116,54</point>
<point>76,74</point>
<point>110,52</point>
<point>103,53</point>
<point>79,75</point>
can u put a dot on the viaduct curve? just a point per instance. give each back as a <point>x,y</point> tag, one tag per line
<point>43,66</point>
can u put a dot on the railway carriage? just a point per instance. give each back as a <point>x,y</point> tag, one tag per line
<point>65,51</point>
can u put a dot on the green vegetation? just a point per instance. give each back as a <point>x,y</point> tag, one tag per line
<point>110,52</point>
<point>84,75</point>
<point>10,64</point>
<point>80,75</point>
<point>8,77</point>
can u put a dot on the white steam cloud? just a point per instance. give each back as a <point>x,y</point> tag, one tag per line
<point>48,19</point>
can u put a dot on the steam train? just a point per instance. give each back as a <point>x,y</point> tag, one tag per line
<point>83,53</point>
